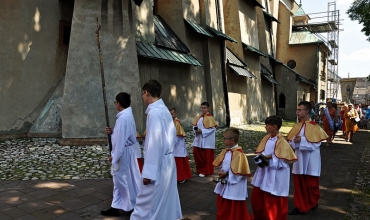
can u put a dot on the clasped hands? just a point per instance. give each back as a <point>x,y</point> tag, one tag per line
<point>222,174</point>
<point>146,181</point>
<point>297,139</point>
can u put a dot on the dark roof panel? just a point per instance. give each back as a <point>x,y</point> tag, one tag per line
<point>241,71</point>
<point>153,52</point>
<point>270,16</point>
<point>166,37</point>
<point>255,50</point>
<point>268,75</point>
<point>198,28</point>
<point>222,35</point>
<point>231,58</point>
<point>238,66</point>
<point>256,3</point>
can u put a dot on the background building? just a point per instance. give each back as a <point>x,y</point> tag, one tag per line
<point>361,93</point>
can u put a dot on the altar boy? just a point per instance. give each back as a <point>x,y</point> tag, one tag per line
<point>271,180</point>
<point>232,179</point>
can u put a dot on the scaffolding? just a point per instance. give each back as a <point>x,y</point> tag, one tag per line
<point>328,22</point>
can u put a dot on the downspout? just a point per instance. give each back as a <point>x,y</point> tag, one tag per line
<point>273,63</point>
<point>224,82</point>
<point>318,74</point>
<point>223,67</point>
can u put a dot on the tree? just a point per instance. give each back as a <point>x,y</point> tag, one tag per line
<point>360,11</point>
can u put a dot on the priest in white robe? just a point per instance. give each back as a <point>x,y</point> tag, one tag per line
<point>158,197</point>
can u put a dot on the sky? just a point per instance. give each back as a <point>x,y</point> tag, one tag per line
<point>354,49</point>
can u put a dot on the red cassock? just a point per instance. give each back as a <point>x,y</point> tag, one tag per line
<point>306,192</point>
<point>266,206</point>
<point>202,157</point>
<point>232,209</point>
<point>182,168</point>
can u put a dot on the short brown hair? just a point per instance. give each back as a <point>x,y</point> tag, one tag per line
<point>153,87</point>
<point>234,133</point>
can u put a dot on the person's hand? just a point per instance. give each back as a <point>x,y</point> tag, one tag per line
<point>222,174</point>
<point>199,131</point>
<point>108,130</point>
<point>297,139</point>
<point>146,181</point>
<point>110,159</point>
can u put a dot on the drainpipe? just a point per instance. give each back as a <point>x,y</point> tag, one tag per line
<point>223,66</point>
<point>273,63</point>
<point>318,94</point>
<point>224,82</point>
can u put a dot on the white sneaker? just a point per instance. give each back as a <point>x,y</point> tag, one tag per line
<point>201,175</point>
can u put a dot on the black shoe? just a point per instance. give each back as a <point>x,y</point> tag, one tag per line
<point>110,212</point>
<point>295,211</point>
<point>315,207</point>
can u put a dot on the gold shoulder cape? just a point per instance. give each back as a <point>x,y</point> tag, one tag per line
<point>282,149</point>
<point>313,132</point>
<point>179,129</point>
<point>208,120</point>
<point>239,162</point>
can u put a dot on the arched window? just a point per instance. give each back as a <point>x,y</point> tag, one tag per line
<point>281,100</point>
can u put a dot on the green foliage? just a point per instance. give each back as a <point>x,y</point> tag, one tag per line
<point>360,11</point>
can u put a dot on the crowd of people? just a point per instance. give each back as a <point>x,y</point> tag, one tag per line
<point>146,186</point>
<point>349,119</point>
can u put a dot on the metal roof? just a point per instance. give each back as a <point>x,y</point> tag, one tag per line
<point>255,50</point>
<point>270,16</point>
<point>238,66</point>
<point>268,75</point>
<point>276,60</point>
<point>152,51</point>
<point>166,37</point>
<point>306,81</point>
<point>198,28</point>
<point>303,37</point>
<point>222,35</point>
<point>299,12</point>
<point>256,3</point>
<point>241,71</point>
<point>231,58</point>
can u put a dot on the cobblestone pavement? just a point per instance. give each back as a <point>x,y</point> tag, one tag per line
<point>41,180</point>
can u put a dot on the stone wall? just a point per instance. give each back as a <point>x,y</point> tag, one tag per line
<point>83,113</point>
<point>32,60</point>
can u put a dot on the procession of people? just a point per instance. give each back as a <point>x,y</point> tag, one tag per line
<point>146,186</point>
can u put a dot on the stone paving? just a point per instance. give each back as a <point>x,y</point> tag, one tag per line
<point>82,194</point>
<point>42,159</point>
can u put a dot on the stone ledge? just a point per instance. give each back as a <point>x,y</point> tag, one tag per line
<point>13,136</point>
